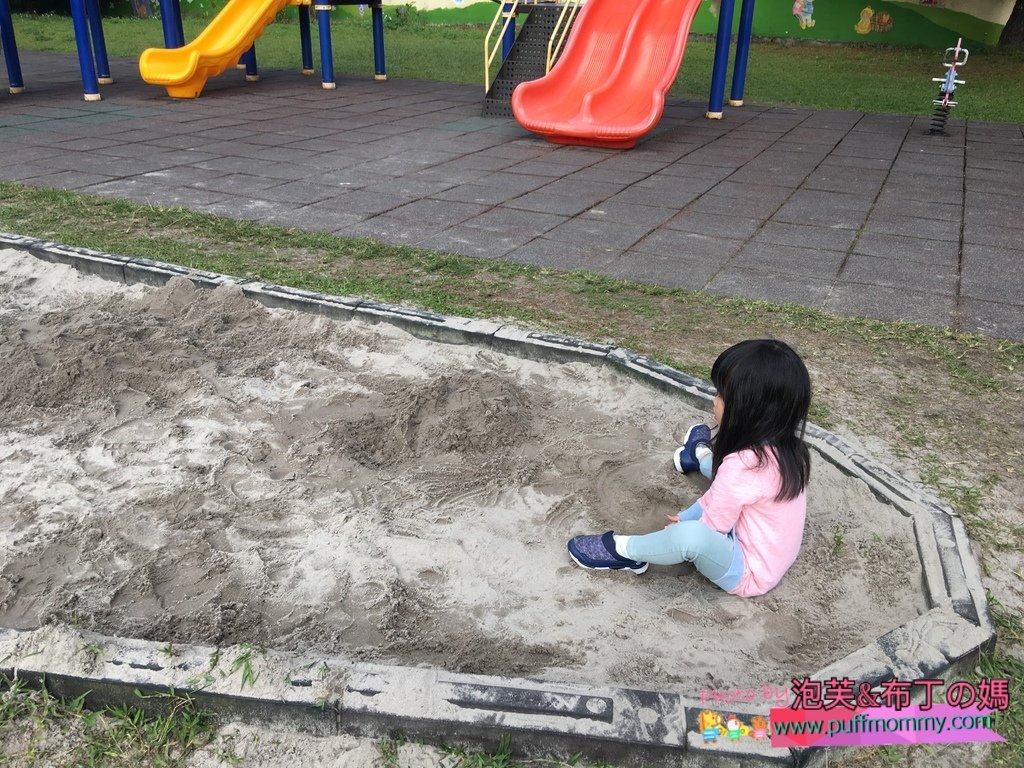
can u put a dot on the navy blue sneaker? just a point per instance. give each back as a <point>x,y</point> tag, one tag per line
<point>597,553</point>
<point>685,457</point>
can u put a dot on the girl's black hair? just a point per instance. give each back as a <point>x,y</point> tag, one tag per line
<point>766,391</point>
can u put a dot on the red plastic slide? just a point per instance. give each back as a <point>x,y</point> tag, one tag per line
<point>608,88</point>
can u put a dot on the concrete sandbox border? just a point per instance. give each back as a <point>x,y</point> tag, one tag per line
<point>321,695</point>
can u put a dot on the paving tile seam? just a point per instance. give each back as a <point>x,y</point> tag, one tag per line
<point>923,292</point>
<point>540,236</point>
<point>874,203</point>
<point>959,310</point>
<point>649,174</point>
<point>730,262</point>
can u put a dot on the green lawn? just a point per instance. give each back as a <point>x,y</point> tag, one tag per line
<point>866,79</point>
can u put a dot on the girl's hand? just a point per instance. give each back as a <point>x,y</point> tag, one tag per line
<point>672,519</point>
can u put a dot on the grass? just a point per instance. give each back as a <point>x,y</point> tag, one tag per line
<point>132,736</point>
<point>1010,723</point>
<point>453,284</point>
<point>837,539</point>
<point>456,756</point>
<point>863,78</point>
<point>242,663</point>
<point>54,731</point>
<point>163,731</point>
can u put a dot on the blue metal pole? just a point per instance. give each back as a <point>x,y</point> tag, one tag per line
<point>99,44</point>
<point>509,37</point>
<point>739,70</point>
<point>170,18</point>
<point>179,27</point>
<point>85,61</point>
<point>7,42</point>
<point>167,23</point>
<point>377,17</point>
<point>323,21</point>
<point>722,40</point>
<point>249,61</point>
<point>305,40</point>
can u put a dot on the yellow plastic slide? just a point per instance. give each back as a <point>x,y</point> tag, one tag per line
<point>184,71</point>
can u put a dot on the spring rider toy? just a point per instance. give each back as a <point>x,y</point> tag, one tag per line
<point>952,59</point>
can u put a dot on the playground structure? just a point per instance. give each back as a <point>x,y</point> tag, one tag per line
<point>608,87</point>
<point>182,69</point>
<point>10,49</point>
<point>231,36</point>
<point>952,59</point>
<point>92,48</point>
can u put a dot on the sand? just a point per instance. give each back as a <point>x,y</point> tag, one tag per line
<point>189,466</point>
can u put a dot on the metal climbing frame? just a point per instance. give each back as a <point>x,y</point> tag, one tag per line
<point>508,12</point>
<point>561,31</point>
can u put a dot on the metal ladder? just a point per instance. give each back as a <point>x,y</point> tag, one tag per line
<point>534,52</point>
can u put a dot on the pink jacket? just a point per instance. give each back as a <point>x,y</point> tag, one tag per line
<point>742,499</point>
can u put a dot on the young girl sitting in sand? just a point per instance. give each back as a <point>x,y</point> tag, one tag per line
<point>745,531</point>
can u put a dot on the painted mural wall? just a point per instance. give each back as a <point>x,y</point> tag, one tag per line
<point>932,23</point>
<point>929,23</point>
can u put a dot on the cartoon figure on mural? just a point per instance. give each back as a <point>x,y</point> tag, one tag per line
<point>710,724</point>
<point>863,26</point>
<point>758,728</point>
<point>714,6</point>
<point>804,10</point>
<point>735,728</point>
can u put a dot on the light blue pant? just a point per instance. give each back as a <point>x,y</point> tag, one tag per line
<point>705,465</point>
<point>716,555</point>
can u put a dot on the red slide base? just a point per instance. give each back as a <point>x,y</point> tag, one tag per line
<point>581,141</point>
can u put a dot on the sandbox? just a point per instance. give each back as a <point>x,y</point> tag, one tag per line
<point>187,466</point>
